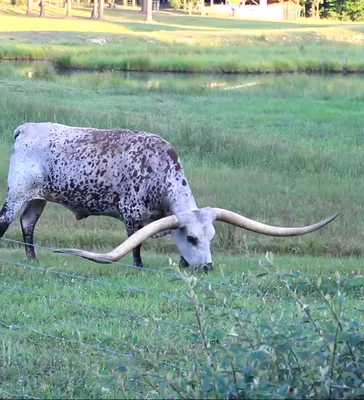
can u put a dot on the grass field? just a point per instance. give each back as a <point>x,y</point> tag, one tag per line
<point>286,150</point>
<point>178,43</point>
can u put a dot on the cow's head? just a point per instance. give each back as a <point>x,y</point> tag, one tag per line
<point>193,232</point>
<point>194,235</point>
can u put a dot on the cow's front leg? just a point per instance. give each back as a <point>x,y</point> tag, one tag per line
<point>137,257</point>
<point>133,226</point>
<point>137,250</point>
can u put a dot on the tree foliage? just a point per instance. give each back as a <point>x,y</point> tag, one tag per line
<point>340,9</point>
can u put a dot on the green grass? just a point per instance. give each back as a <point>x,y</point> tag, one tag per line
<point>286,150</point>
<point>180,43</point>
<point>52,348</point>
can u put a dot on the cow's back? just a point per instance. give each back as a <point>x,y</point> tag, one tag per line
<point>91,170</point>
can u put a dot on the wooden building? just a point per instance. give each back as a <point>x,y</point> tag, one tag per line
<point>264,9</point>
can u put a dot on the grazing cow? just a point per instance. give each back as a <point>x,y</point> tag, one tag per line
<point>136,177</point>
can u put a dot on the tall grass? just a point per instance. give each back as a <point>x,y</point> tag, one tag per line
<point>287,151</point>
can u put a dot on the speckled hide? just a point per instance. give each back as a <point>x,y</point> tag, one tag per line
<point>134,176</point>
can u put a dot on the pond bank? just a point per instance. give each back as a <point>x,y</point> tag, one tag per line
<point>309,54</point>
<point>316,67</point>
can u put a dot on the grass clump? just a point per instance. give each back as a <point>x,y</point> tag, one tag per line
<point>22,52</point>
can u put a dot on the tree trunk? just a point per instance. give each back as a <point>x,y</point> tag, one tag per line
<point>101,9</point>
<point>189,8</point>
<point>69,9</point>
<point>42,8</point>
<point>30,7</point>
<point>202,6</point>
<point>94,13</point>
<point>149,15</point>
<point>144,7</point>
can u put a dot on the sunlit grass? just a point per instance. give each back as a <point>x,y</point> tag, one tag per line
<point>123,41</point>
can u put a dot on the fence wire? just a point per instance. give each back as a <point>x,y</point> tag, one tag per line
<point>124,287</point>
<point>162,271</point>
<point>18,395</point>
<point>97,308</point>
<point>101,349</point>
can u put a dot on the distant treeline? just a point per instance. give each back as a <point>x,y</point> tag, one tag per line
<point>352,10</point>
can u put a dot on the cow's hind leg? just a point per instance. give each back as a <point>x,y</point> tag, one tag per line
<point>28,220</point>
<point>5,221</point>
<point>8,213</point>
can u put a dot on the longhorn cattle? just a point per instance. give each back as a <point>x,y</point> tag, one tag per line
<point>136,177</point>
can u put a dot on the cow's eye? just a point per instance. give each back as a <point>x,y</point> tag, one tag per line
<point>192,239</point>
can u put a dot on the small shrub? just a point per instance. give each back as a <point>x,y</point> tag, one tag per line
<point>308,352</point>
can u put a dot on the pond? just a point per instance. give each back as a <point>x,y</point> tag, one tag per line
<point>45,70</point>
<point>116,81</point>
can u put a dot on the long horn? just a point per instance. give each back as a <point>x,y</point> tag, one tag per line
<point>251,225</point>
<point>129,244</point>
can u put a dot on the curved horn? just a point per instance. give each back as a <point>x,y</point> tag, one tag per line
<point>251,225</point>
<point>129,244</point>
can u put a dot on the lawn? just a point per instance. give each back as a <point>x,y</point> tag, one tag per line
<point>175,42</point>
<point>286,150</point>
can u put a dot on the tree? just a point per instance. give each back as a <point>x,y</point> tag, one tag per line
<point>42,8</point>
<point>94,13</point>
<point>101,9</point>
<point>144,7</point>
<point>355,9</point>
<point>69,9</point>
<point>149,14</point>
<point>30,7</point>
<point>344,9</point>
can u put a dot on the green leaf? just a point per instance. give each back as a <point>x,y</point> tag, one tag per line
<point>357,281</point>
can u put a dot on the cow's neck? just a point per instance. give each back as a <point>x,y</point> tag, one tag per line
<point>182,200</point>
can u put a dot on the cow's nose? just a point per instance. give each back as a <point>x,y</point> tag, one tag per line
<point>207,267</point>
